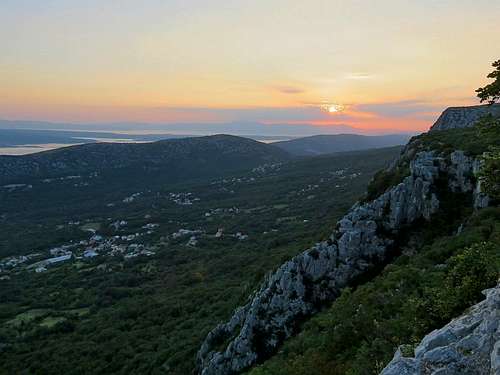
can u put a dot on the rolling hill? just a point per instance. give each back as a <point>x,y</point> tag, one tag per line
<point>172,159</point>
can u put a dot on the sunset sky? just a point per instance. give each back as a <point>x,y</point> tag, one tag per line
<point>385,65</point>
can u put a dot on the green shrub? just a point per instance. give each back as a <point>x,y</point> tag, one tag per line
<point>490,173</point>
<point>468,273</point>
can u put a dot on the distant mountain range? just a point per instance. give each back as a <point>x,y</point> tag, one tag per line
<point>13,138</point>
<point>173,159</point>
<point>326,144</point>
<point>21,137</point>
<point>242,129</point>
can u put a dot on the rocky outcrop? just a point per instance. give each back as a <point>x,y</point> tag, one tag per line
<point>364,238</point>
<point>464,117</point>
<point>463,170</point>
<point>467,345</point>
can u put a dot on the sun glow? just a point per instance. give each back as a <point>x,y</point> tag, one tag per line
<point>332,108</point>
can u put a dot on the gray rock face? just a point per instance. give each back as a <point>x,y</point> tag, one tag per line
<point>462,172</point>
<point>467,345</point>
<point>464,117</point>
<point>363,239</point>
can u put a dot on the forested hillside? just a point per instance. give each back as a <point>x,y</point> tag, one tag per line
<point>172,160</point>
<point>327,144</point>
<point>154,266</point>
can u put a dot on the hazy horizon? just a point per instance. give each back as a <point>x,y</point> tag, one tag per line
<point>200,129</point>
<point>21,138</point>
<point>380,67</point>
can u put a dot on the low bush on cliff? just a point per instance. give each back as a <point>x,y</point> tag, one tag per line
<point>384,179</point>
<point>473,141</point>
<point>359,333</point>
<point>490,173</point>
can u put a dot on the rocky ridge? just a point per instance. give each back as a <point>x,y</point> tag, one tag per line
<point>464,117</point>
<point>364,238</point>
<point>469,344</point>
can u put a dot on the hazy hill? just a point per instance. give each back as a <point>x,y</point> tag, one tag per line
<point>26,137</point>
<point>326,144</point>
<point>173,158</point>
<point>21,137</point>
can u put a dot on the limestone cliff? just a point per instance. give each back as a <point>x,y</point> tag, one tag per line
<point>467,345</point>
<point>463,117</point>
<point>365,237</point>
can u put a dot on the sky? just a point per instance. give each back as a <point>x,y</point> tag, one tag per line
<point>369,65</point>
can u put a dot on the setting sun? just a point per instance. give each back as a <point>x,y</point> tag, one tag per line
<point>335,108</point>
<point>332,108</point>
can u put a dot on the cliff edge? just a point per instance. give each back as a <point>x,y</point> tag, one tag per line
<point>464,117</point>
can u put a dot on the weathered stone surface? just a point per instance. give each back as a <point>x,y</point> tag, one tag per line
<point>481,199</point>
<point>462,170</point>
<point>467,345</point>
<point>363,239</point>
<point>464,117</point>
<point>463,178</point>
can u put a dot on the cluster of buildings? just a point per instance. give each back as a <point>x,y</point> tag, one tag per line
<point>266,168</point>
<point>222,211</point>
<point>194,235</point>
<point>42,265</point>
<point>131,198</point>
<point>65,178</point>
<point>234,180</point>
<point>15,261</point>
<point>125,245</point>
<point>308,189</point>
<point>240,236</point>
<point>185,232</point>
<point>57,255</point>
<point>15,187</point>
<point>24,187</point>
<point>341,174</point>
<point>183,199</point>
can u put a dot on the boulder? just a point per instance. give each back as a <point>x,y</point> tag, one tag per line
<point>469,344</point>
